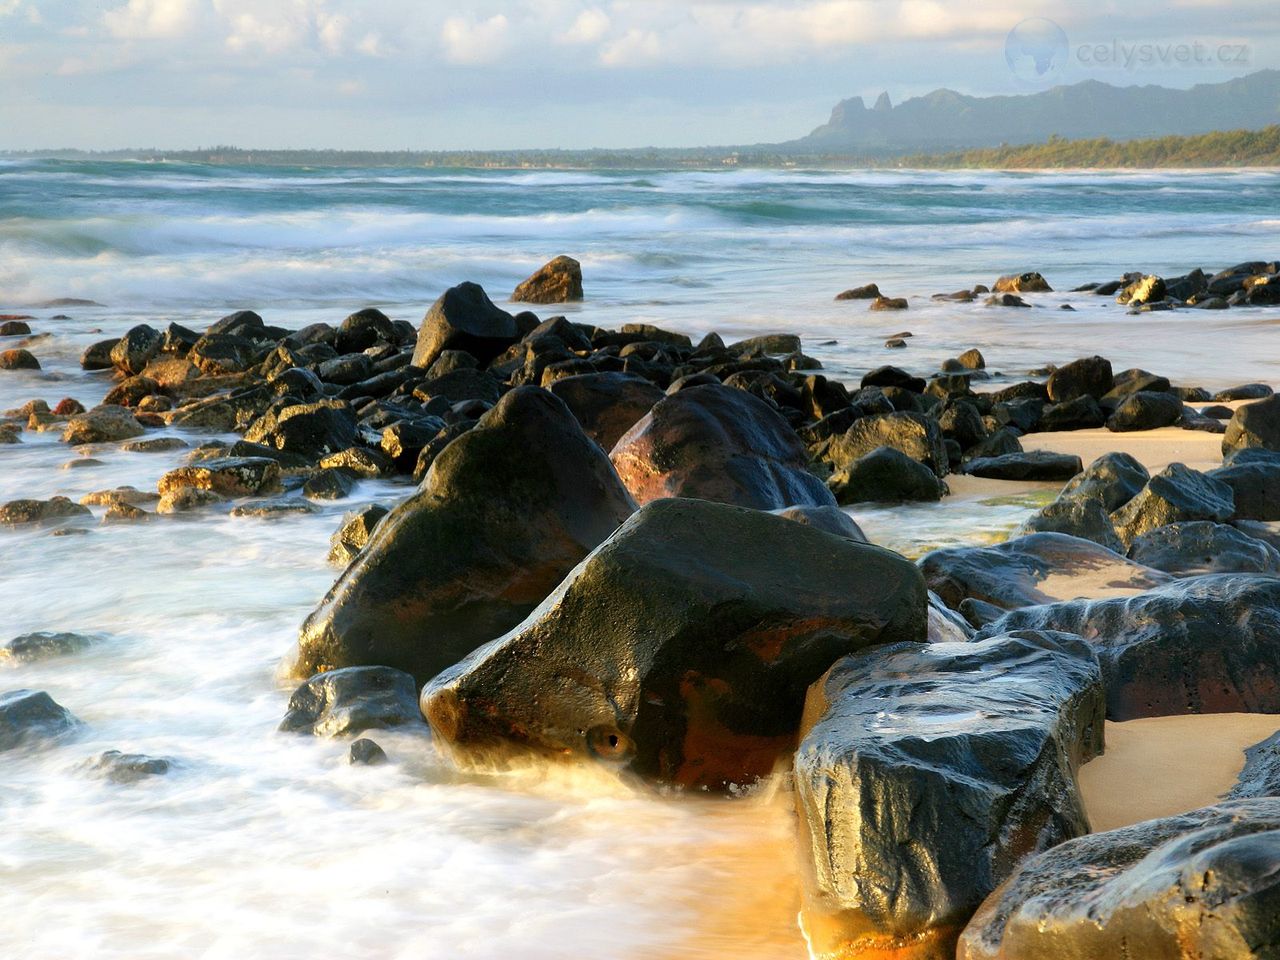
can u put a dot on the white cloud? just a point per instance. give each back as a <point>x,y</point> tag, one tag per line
<point>473,42</point>
<point>153,19</point>
<point>590,27</point>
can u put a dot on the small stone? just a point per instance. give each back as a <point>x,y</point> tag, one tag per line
<point>366,753</point>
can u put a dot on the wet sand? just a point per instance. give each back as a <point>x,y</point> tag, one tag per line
<point>1154,449</point>
<point>1160,766</point>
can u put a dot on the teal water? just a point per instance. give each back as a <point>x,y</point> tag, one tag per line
<point>266,846</point>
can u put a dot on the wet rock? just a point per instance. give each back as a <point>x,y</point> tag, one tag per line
<point>505,511</point>
<point>893,377</point>
<point>559,281</point>
<point>362,330</point>
<point>464,318</point>
<point>352,700</point>
<point>311,430</point>
<point>219,354</point>
<point>1029,465</point>
<point>1113,480</point>
<point>464,384</point>
<point>830,520</point>
<point>1086,377</point>
<point>769,344</point>
<point>135,349</point>
<point>681,648</point>
<point>229,476</point>
<point>1254,425</point>
<point>366,753</point>
<point>242,323</point>
<point>125,513</point>
<point>1022,283</point>
<point>917,436</point>
<point>129,495</point>
<point>186,499</point>
<point>1175,494</point>
<point>717,443</point>
<point>98,356</point>
<point>998,444</point>
<point>155,445</point>
<point>1085,518</point>
<point>330,484</point>
<point>889,303</point>
<point>1030,570</point>
<point>1261,774</point>
<point>885,475</point>
<point>1244,391</point>
<point>14,328</point>
<point>19,512</point>
<point>1256,485</point>
<point>1145,410</point>
<point>126,768</point>
<point>274,509</point>
<point>972,359</point>
<point>866,292</point>
<point>1199,546</point>
<point>18,359</point>
<point>350,538</point>
<point>1199,645</point>
<point>1203,884</point>
<point>347,369</point>
<point>960,421</point>
<point>1082,413</point>
<point>931,772</point>
<point>895,343</point>
<point>361,461</point>
<point>33,647</point>
<point>1148,289</point>
<point>102,424</point>
<point>607,404</point>
<point>1005,300</point>
<point>29,718</point>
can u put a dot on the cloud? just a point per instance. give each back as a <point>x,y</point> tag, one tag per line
<point>153,19</point>
<point>590,26</point>
<point>475,42</point>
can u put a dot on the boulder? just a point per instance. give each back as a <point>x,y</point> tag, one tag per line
<point>559,281</point>
<point>1082,413</point>
<point>1028,465</point>
<point>868,291</point>
<point>1086,377</point>
<point>1256,485</point>
<point>34,647</point>
<point>352,700</point>
<point>330,483</point>
<point>97,356</point>
<point>505,511</point>
<point>716,443</point>
<point>1084,518</point>
<point>311,430</point>
<point>889,303</point>
<point>1175,494</point>
<point>916,435</point>
<point>885,475</point>
<point>102,424</point>
<point>1147,289</point>
<point>1145,410</point>
<point>134,350</point>
<point>830,520</point>
<point>18,512</point>
<point>1200,546</point>
<point>18,359</point>
<point>1201,885</point>
<point>1112,480</point>
<point>1199,645</point>
<point>124,768</point>
<point>350,538</point>
<point>229,476</point>
<point>1244,391</point>
<point>1022,283</point>
<point>1035,569</point>
<point>217,354</point>
<point>29,717</point>
<point>1254,425</point>
<point>186,499</point>
<point>362,330</point>
<point>607,404</point>
<point>366,753</point>
<point>1261,774</point>
<point>681,648</point>
<point>930,772</point>
<point>464,318</point>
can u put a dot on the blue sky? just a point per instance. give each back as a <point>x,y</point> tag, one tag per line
<point>546,73</point>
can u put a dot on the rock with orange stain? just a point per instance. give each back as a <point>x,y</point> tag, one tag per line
<point>713,442</point>
<point>681,648</point>
<point>1204,884</point>
<point>927,773</point>
<point>1199,645</point>
<point>504,513</point>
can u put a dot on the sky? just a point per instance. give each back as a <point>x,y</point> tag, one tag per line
<point>421,74</point>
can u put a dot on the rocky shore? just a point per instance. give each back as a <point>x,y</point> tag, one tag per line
<point>625,548</point>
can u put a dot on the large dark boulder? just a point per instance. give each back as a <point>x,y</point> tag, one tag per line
<point>1201,886</point>
<point>311,430</point>
<point>1200,645</point>
<point>607,404</point>
<point>464,318</point>
<point>886,475</point>
<point>1035,569</point>
<point>916,435</point>
<point>1255,483</point>
<point>1086,377</point>
<point>44,645</point>
<point>363,329</point>
<point>353,700</point>
<point>1081,413</point>
<point>1029,465</point>
<point>930,773</point>
<point>30,717</point>
<point>505,511</point>
<point>1113,480</point>
<point>716,443</point>
<point>1176,494</point>
<point>134,350</point>
<point>1201,546</point>
<point>558,281</point>
<point>1084,518</point>
<point>681,648</point>
<point>1145,410</point>
<point>1254,425</point>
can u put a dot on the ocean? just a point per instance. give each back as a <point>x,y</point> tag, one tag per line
<point>261,844</point>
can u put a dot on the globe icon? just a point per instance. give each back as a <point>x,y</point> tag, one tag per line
<point>1036,51</point>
